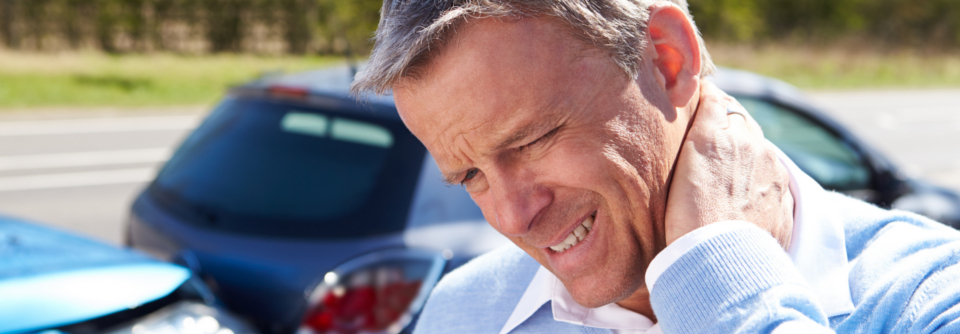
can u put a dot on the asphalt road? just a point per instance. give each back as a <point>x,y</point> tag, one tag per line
<point>81,173</point>
<point>919,130</point>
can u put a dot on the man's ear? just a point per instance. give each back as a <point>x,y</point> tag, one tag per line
<point>677,52</point>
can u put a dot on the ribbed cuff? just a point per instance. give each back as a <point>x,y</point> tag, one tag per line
<point>718,273</point>
<point>684,244</point>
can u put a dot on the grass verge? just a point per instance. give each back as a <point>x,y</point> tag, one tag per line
<point>842,67</point>
<point>96,79</point>
<point>91,79</point>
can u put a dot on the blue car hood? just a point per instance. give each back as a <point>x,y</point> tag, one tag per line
<point>50,278</point>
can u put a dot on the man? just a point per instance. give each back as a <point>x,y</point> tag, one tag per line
<point>639,198</point>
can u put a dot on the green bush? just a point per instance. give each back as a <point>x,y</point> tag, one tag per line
<point>342,26</point>
<point>190,26</point>
<point>929,23</point>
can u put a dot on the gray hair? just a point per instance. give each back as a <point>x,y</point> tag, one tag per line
<point>412,31</point>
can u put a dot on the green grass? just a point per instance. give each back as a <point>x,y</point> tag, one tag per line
<point>843,68</point>
<point>96,79</point>
<point>90,79</point>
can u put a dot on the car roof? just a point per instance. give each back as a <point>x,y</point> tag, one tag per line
<point>327,88</point>
<point>332,82</point>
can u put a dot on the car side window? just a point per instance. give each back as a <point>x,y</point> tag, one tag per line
<point>818,151</point>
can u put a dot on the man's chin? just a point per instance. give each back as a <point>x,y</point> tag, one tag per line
<point>600,292</point>
<point>592,302</point>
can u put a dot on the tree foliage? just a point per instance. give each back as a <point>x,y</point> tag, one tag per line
<point>190,26</point>
<point>339,26</point>
<point>927,23</point>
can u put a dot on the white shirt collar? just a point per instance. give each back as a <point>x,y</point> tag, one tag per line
<point>545,287</point>
<point>818,249</point>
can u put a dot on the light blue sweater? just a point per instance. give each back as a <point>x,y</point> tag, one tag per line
<point>904,278</point>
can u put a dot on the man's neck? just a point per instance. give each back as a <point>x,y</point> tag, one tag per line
<point>639,302</point>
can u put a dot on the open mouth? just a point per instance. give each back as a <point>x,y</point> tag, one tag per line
<point>576,236</point>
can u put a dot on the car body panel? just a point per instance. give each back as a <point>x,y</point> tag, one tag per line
<point>62,298</point>
<point>267,279</point>
<point>936,202</point>
<point>28,249</point>
<point>50,278</point>
<point>264,278</point>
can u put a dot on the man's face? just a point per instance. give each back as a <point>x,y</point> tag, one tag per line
<point>551,139</point>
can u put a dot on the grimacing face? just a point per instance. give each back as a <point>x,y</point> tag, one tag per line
<point>548,135</point>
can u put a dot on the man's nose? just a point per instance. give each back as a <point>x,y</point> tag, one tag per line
<point>517,198</point>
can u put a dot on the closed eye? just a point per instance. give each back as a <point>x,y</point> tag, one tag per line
<point>540,140</point>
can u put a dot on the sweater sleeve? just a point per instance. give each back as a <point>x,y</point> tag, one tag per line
<point>738,281</point>
<point>905,279</point>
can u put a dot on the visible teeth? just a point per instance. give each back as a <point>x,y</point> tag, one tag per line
<point>576,236</point>
<point>580,232</point>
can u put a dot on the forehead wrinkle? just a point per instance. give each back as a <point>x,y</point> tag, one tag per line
<point>458,152</point>
<point>545,117</point>
<point>463,150</point>
<point>496,124</point>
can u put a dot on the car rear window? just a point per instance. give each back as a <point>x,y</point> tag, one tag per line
<point>274,168</point>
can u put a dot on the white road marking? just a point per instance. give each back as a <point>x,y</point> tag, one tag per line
<point>99,125</point>
<point>79,179</point>
<point>83,159</point>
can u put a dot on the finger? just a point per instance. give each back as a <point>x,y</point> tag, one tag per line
<point>742,118</point>
<point>712,109</point>
<point>737,117</point>
<point>711,96</point>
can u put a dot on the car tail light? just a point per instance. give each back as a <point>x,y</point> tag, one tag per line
<point>375,293</point>
<point>288,91</point>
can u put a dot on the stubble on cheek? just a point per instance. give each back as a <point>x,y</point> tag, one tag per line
<point>640,154</point>
<point>637,173</point>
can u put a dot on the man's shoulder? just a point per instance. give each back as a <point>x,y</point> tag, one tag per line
<point>902,265</point>
<point>479,296</point>
<point>864,224</point>
<point>505,270</point>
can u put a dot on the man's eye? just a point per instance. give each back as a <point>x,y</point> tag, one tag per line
<point>470,175</point>
<point>538,140</point>
<point>529,145</point>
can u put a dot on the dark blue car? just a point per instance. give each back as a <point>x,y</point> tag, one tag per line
<point>309,211</point>
<point>52,282</point>
<point>306,210</point>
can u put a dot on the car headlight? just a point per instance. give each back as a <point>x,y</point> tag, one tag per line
<point>375,293</point>
<point>186,317</point>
